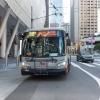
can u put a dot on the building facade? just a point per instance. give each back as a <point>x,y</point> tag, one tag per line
<point>74,21</point>
<point>88,18</point>
<point>38,13</point>
<point>84,18</point>
<point>15,16</point>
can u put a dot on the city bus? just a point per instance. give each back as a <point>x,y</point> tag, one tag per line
<point>44,52</point>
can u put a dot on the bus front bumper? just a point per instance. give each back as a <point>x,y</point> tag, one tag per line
<point>43,72</point>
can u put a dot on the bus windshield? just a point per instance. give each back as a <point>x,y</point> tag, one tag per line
<point>44,44</point>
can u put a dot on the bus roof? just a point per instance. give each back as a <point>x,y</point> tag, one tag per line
<point>45,29</point>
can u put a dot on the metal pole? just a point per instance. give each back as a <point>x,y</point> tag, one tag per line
<point>6,62</point>
<point>17,61</point>
<point>11,41</point>
<point>47,14</point>
<point>12,37</point>
<point>31,17</point>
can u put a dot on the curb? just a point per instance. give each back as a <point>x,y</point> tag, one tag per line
<point>12,66</point>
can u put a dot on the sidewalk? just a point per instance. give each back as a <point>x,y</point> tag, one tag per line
<point>10,78</point>
<point>9,81</point>
<point>12,64</point>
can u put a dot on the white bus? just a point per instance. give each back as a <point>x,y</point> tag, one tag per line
<point>44,52</point>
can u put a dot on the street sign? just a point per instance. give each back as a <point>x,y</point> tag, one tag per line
<point>91,40</point>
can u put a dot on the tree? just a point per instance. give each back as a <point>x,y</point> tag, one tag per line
<point>97,46</point>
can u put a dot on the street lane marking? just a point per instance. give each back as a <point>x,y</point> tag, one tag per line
<point>88,65</point>
<point>96,64</point>
<point>88,73</point>
<point>97,60</point>
<point>6,91</point>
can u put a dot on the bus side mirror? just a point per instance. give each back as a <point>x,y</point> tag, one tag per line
<point>20,36</point>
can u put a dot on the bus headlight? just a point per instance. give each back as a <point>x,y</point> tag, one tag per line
<point>61,65</point>
<point>25,65</point>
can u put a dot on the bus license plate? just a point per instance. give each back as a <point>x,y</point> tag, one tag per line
<point>44,64</point>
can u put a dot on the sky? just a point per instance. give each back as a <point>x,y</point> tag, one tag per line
<point>58,4</point>
<point>66,5</point>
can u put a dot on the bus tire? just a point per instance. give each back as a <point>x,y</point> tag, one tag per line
<point>23,73</point>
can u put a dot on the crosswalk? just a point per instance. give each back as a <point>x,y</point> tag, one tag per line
<point>90,73</point>
<point>96,64</point>
<point>98,60</point>
<point>89,65</point>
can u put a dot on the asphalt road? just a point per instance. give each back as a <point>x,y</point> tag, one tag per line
<point>82,83</point>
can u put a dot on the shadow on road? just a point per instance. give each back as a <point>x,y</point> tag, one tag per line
<point>46,78</point>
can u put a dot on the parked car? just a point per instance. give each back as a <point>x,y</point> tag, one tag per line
<point>85,57</point>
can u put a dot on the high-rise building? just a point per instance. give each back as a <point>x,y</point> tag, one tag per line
<point>84,18</point>
<point>88,18</point>
<point>74,20</point>
<point>98,15</point>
